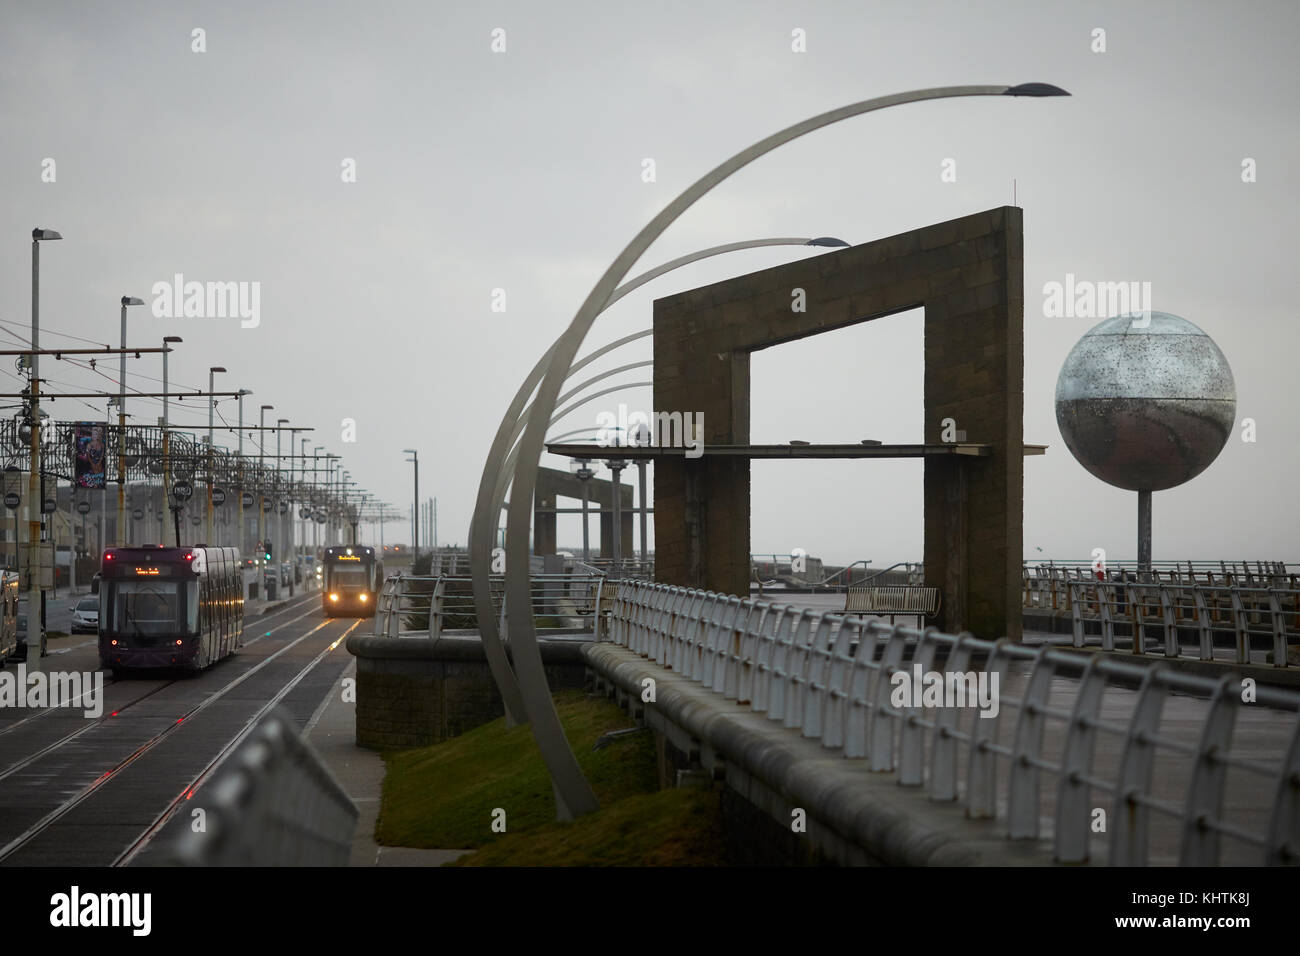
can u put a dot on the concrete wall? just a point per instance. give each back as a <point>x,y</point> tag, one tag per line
<point>967,274</point>
<point>412,692</point>
<point>854,816</point>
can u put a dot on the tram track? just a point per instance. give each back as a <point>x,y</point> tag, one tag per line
<point>57,813</point>
<point>45,712</point>
<point>127,855</point>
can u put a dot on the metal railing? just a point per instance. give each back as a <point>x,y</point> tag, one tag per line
<point>412,605</point>
<point>833,679</point>
<point>1248,573</point>
<point>767,570</point>
<point>275,804</point>
<point>1269,615</point>
<point>625,568</point>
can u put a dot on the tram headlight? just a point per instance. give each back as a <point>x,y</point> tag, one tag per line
<point>334,597</point>
<point>364,598</point>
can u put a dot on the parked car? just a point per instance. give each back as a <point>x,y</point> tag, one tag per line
<point>21,652</point>
<point>85,616</point>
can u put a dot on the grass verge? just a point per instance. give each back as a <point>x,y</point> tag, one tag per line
<point>445,796</point>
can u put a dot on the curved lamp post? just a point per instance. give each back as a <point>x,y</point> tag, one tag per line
<point>574,795</point>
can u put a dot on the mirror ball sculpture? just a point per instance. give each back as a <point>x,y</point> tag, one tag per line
<point>1145,403</point>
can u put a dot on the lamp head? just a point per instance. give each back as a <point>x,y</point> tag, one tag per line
<point>1034,89</point>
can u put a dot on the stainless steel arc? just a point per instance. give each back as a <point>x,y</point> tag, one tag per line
<point>574,795</point>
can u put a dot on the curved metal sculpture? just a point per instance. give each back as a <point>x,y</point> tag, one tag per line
<point>487,509</point>
<point>574,795</point>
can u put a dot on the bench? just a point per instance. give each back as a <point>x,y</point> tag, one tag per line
<point>923,602</point>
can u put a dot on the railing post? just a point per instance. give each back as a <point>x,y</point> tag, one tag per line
<point>1074,797</point>
<point>981,777</point>
<point>435,608</point>
<point>1242,627</point>
<point>1076,614</point>
<point>911,737</point>
<point>1103,611</point>
<point>1200,844</point>
<point>880,750</point>
<point>1022,795</point>
<point>1171,626</point>
<point>944,750</point>
<point>1279,628</point>
<point>1129,815</point>
<point>394,622</point>
<point>1282,846</point>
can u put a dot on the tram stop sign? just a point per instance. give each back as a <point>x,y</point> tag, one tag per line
<point>13,500</point>
<point>50,506</point>
<point>267,505</point>
<point>247,499</point>
<point>320,517</point>
<point>83,507</point>
<point>218,496</point>
<point>182,490</point>
<point>137,514</point>
<point>195,520</point>
<point>304,512</point>
<point>283,507</point>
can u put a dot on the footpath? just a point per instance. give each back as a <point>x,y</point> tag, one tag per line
<point>332,733</point>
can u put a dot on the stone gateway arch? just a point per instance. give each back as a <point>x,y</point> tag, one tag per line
<point>968,277</point>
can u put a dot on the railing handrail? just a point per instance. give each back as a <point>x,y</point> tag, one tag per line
<point>829,677</point>
<point>439,596</point>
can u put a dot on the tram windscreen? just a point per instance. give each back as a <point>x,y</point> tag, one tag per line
<point>350,578</point>
<point>151,608</point>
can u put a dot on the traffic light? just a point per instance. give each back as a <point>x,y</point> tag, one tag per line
<point>268,550</point>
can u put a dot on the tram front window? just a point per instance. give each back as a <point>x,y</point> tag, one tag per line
<point>350,578</point>
<point>148,608</point>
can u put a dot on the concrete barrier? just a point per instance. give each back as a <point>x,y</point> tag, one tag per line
<point>274,804</point>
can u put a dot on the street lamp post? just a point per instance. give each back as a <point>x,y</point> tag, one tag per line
<point>240,539</point>
<point>103,489</point>
<point>582,470</point>
<point>261,480</point>
<point>35,506</point>
<point>166,436</point>
<point>315,478</point>
<point>212,408</point>
<point>302,505</point>
<point>279,494</point>
<point>120,536</point>
<point>415,504</point>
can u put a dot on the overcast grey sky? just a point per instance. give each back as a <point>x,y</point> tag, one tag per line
<point>522,170</point>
